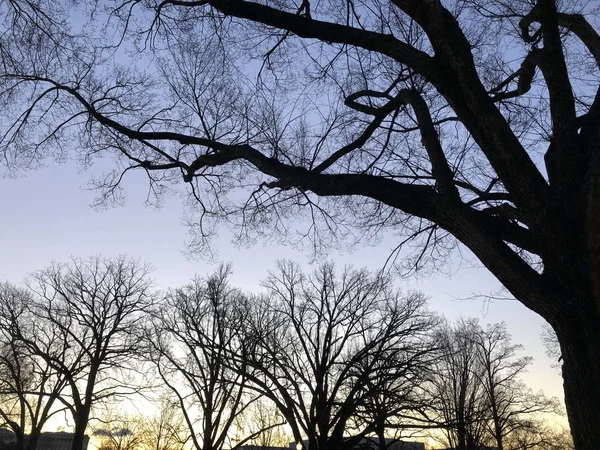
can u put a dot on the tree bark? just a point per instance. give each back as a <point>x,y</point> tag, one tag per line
<point>79,435</point>
<point>82,414</point>
<point>34,437</point>
<point>580,345</point>
<point>495,417</point>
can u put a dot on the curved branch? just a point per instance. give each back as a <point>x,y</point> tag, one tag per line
<point>461,86</point>
<point>440,167</point>
<point>379,113</point>
<point>352,103</point>
<point>525,24</point>
<point>439,164</point>
<point>525,76</point>
<point>580,27</point>
<point>307,27</point>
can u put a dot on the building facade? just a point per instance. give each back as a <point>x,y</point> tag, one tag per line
<point>47,441</point>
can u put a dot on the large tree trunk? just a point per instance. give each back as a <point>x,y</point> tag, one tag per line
<point>34,437</point>
<point>497,426</point>
<point>81,422</point>
<point>577,325</point>
<point>580,345</point>
<point>78,436</point>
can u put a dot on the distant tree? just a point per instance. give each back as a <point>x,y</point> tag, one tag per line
<point>550,341</point>
<point>95,307</point>
<point>192,334</point>
<point>396,406</point>
<point>31,390</point>
<point>540,436</point>
<point>481,397</point>
<point>460,399</point>
<point>263,422</point>
<point>512,404</point>
<point>317,344</point>
<point>119,431</point>
<point>166,430</point>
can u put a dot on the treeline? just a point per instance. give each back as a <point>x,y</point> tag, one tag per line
<point>329,357</point>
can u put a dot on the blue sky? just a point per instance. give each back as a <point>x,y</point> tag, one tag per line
<point>46,216</point>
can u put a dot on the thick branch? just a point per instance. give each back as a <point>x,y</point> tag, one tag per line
<point>525,76</point>
<point>417,200</point>
<point>525,23</point>
<point>439,164</point>
<point>564,162</point>
<point>467,225</point>
<point>460,84</point>
<point>508,230</point>
<point>307,27</point>
<point>421,201</point>
<point>581,28</point>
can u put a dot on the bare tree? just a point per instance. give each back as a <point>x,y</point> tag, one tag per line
<point>165,430</point>
<point>481,397</point>
<point>120,431</point>
<point>397,403</point>
<point>94,308</point>
<point>540,436</point>
<point>512,404</point>
<point>316,346</point>
<point>461,401</point>
<point>265,424</point>
<point>189,340</point>
<point>30,389</point>
<point>464,121</point>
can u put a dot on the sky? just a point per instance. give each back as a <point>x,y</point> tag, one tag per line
<point>45,216</point>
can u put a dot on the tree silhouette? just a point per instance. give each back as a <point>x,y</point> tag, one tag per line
<point>464,121</point>
<point>459,397</point>
<point>478,393</point>
<point>93,308</point>
<point>31,390</point>
<point>321,347</point>
<point>512,404</point>
<point>189,340</point>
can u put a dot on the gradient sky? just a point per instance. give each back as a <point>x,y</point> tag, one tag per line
<point>45,216</point>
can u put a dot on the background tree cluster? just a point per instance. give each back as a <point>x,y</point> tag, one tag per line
<point>68,339</point>
<point>329,357</point>
<point>479,390</point>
